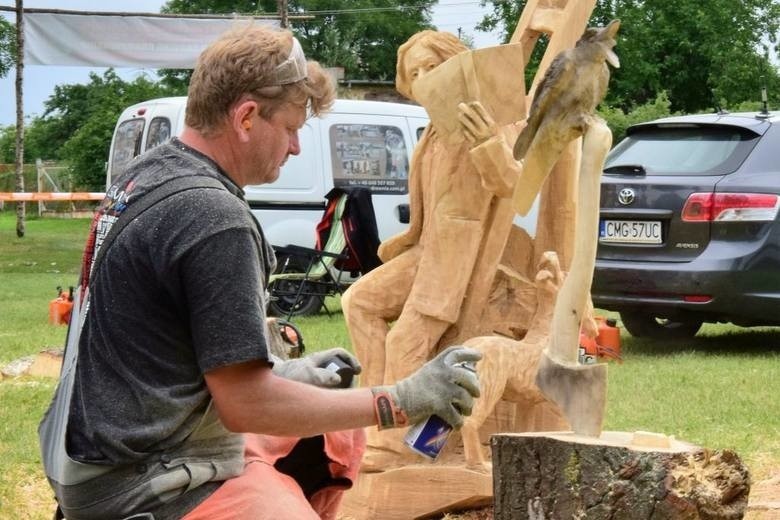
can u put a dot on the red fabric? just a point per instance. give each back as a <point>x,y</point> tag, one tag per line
<point>263,493</point>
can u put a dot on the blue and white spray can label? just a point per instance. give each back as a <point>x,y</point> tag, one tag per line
<point>429,437</point>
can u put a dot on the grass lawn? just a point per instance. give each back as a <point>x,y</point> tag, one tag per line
<point>31,269</point>
<point>717,390</point>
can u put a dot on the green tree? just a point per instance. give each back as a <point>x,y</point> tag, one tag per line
<point>7,144</point>
<point>370,33</point>
<point>361,36</point>
<point>77,125</point>
<point>703,54</point>
<point>36,143</point>
<point>618,120</point>
<point>78,122</point>
<point>7,46</point>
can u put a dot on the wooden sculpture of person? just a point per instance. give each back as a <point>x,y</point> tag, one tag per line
<point>427,268</point>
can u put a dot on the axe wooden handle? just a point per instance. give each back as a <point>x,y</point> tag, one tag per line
<point>536,166</point>
<point>573,296</point>
<point>544,152</point>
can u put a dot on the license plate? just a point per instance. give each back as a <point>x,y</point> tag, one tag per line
<point>630,231</point>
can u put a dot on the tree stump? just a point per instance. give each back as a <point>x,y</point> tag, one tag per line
<point>617,476</point>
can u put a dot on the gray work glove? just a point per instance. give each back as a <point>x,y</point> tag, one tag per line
<point>309,369</point>
<point>443,386</point>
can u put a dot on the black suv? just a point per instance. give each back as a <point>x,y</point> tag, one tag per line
<point>688,227</point>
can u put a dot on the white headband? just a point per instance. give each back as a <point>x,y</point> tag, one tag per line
<point>293,69</point>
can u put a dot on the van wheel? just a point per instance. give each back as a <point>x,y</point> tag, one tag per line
<point>642,325</point>
<point>281,304</point>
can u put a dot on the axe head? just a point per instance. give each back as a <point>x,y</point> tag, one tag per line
<point>579,390</point>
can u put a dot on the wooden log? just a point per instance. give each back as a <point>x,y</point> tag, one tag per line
<point>46,363</point>
<point>416,491</point>
<point>615,476</point>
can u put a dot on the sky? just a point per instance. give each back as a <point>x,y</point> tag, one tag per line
<point>39,80</point>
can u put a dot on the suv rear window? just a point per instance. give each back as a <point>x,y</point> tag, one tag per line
<point>684,149</point>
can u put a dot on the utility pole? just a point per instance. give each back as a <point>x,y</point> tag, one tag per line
<point>283,13</point>
<point>19,160</point>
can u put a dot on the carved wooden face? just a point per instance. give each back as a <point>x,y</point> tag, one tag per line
<point>419,61</point>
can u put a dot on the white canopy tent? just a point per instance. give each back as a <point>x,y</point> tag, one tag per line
<point>122,39</point>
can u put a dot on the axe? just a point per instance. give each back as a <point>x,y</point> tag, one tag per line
<point>579,390</point>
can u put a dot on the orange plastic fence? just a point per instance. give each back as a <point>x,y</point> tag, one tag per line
<point>49,196</point>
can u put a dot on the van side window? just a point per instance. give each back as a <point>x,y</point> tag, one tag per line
<point>420,132</point>
<point>159,132</point>
<point>126,145</point>
<point>373,156</point>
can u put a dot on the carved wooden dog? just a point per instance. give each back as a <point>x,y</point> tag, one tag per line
<point>508,367</point>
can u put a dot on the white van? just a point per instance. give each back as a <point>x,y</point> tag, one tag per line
<point>358,143</point>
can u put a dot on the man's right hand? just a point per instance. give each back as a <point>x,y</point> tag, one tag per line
<point>445,386</point>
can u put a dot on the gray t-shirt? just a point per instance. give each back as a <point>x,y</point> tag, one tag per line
<point>180,292</point>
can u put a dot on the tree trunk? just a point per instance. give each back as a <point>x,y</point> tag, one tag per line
<point>283,13</point>
<point>19,163</point>
<point>550,476</point>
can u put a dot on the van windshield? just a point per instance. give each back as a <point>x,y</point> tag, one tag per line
<point>127,145</point>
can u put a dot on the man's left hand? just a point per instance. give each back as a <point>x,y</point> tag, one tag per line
<point>309,369</point>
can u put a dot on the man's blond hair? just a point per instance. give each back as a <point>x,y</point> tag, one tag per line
<point>443,44</point>
<point>243,62</point>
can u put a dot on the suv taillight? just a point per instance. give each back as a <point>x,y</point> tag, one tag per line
<point>730,207</point>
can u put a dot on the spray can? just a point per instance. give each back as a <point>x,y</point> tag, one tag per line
<point>429,437</point>
<point>342,368</point>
